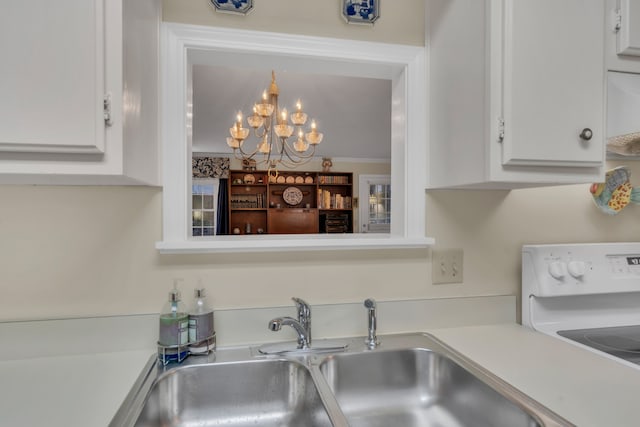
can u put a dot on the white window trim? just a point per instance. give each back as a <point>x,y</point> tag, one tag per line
<point>404,65</point>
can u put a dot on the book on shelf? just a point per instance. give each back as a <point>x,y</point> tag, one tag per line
<point>328,200</point>
<point>247,201</point>
<point>333,179</point>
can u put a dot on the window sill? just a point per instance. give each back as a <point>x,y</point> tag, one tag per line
<point>292,242</point>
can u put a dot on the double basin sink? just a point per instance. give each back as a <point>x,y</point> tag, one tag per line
<point>408,380</point>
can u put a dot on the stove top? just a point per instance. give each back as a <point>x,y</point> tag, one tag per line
<point>621,341</point>
<point>587,294</point>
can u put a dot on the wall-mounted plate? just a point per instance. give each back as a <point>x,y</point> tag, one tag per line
<point>361,11</point>
<point>241,7</point>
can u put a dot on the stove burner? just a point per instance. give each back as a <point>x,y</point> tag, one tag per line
<point>614,342</point>
<point>620,341</point>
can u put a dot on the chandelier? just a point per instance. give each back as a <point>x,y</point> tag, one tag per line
<point>272,130</point>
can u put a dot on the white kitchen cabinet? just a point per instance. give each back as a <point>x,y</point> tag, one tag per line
<point>79,92</point>
<point>516,92</point>
<point>623,35</point>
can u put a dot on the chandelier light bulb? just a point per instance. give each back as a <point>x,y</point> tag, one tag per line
<point>264,146</point>
<point>299,118</point>
<point>300,145</point>
<point>254,120</point>
<point>314,137</point>
<point>233,143</point>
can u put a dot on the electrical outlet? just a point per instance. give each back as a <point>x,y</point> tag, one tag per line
<point>446,266</point>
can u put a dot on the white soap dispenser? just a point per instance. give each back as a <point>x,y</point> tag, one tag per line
<point>201,331</point>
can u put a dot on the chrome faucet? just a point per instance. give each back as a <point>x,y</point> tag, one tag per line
<point>277,323</point>
<point>302,326</point>
<point>372,340</point>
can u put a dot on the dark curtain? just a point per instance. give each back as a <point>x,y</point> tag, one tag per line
<point>222,222</point>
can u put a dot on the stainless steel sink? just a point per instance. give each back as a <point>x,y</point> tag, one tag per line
<point>408,380</point>
<point>416,387</point>
<point>248,393</point>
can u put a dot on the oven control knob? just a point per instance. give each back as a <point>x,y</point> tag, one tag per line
<point>577,268</point>
<point>558,269</point>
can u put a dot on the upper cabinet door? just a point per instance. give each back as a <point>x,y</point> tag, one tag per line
<point>553,82</point>
<point>52,76</point>
<point>628,25</point>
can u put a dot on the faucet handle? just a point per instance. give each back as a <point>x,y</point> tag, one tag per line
<point>304,316</point>
<point>304,310</point>
<point>299,301</point>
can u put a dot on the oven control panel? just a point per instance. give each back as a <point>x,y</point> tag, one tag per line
<point>582,269</point>
<point>625,265</point>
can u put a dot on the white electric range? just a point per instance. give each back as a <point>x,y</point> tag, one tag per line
<point>585,294</point>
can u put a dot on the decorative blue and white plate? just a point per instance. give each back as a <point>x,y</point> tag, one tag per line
<point>233,6</point>
<point>361,11</point>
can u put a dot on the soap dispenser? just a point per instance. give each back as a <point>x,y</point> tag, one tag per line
<point>201,331</point>
<point>174,328</point>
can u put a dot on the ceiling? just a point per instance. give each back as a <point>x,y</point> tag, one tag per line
<point>354,113</point>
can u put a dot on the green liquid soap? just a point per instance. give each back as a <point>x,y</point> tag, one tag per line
<point>174,329</point>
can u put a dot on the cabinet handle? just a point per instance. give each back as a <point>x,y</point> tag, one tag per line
<point>586,134</point>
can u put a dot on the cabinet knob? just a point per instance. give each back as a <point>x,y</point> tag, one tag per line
<point>586,134</point>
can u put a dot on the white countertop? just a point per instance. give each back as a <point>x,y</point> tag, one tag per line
<point>67,391</point>
<point>585,388</point>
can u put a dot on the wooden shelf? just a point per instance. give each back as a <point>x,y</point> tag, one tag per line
<point>263,207</point>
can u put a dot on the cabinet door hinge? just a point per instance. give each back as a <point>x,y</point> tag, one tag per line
<point>107,110</point>
<point>500,129</point>
<point>617,20</point>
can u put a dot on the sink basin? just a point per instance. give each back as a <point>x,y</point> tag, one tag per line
<point>409,380</point>
<point>250,393</point>
<point>416,387</point>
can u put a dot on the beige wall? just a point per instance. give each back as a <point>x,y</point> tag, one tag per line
<point>401,21</point>
<point>85,251</point>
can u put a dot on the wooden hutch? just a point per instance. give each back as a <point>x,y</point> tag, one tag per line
<point>293,202</point>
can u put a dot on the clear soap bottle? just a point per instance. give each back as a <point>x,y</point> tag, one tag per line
<point>201,330</point>
<point>174,326</point>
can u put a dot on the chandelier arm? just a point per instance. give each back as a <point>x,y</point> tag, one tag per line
<point>302,155</point>
<point>293,165</point>
<point>257,133</point>
<point>244,154</point>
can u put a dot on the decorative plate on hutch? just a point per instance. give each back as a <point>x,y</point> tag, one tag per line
<point>292,196</point>
<point>249,179</point>
<point>361,11</point>
<point>241,7</point>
